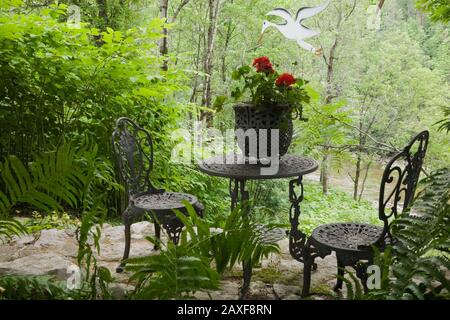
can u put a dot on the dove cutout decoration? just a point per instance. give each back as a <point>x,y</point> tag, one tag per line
<point>292,28</point>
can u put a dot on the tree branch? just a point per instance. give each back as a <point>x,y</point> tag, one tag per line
<point>178,10</point>
<point>380,6</point>
<point>388,147</point>
<point>353,9</point>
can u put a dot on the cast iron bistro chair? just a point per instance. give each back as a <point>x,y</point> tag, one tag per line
<point>133,148</point>
<point>352,242</point>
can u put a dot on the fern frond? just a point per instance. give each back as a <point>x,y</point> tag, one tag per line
<point>9,228</point>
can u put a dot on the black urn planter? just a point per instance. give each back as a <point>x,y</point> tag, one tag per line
<point>248,117</point>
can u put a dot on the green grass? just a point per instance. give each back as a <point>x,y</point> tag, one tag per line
<point>317,208</point>
<point>337,206</point>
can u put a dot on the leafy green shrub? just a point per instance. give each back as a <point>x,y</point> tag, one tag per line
<point>53,220</point>
<point>75,176</point>
<point>58,82</point>
<point>236,242</point>
<point>439,10</point>
<point>181,270</point>
<point>15,287</point>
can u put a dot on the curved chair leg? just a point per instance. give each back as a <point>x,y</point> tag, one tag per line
<point>199,209</point>
<point>174,234</point>
<point>340,274</point>
<point>361,273</point>
<point>307,268</point>
<point>308,264</point>
<point>173,227</point>
<point>126,252</point>
<point>247,268</point>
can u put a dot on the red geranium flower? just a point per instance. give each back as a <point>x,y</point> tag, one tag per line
<point>286,79</point>
<point>263,64</point>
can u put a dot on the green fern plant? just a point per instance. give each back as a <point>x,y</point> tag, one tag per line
<point>354,287</point>
<point>31,288</point>
<point>11,227</point>
<point>52,177</point>
<point>417,267</point>
<point>422,260</point>
<point>237,242</point>
<point>444,124</point>
<point>100,181</point>
<point>179,271</point>
<point>71,175</point>
<point>96,279</point>
<point>176,273</point>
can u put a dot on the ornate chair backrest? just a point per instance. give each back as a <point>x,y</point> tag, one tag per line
<point>133,148</point>
<point>399,181</point>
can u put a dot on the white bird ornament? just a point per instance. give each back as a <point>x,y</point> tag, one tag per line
<point>293,29</point>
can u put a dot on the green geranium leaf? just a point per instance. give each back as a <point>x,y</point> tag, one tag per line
<point>244,70</point>
<point>236,75</point>
<point>219,102</point>
<point>236,94</point>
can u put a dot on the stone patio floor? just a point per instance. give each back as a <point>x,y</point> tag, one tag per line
<point>51,251</point>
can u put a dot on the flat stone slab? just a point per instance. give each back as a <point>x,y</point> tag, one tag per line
<point>37,265</point>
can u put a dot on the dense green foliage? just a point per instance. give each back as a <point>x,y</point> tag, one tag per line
<point>439,9</point>
<point>59,84</point>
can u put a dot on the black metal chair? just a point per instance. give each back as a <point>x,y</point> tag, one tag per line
<point>352,242</point>
<point>133,148</point>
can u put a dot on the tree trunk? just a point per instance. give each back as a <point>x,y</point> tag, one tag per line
<point>164,43</point>
<point>208,60</point>
<point>197,68</point>
<point>364,180</point>
<point>380,6</point>
<point>361,143</point>
<point>357,175</point>
<point>328,99</point>
<point>332,91</point>
<point>103,12</point>
<point>225,49</point>
<point>324,171</point>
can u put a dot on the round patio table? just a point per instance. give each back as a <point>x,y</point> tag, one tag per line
<point>239,171</point>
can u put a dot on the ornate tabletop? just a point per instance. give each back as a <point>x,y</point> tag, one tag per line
<point>233,167</point>
<point>238,171</point>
